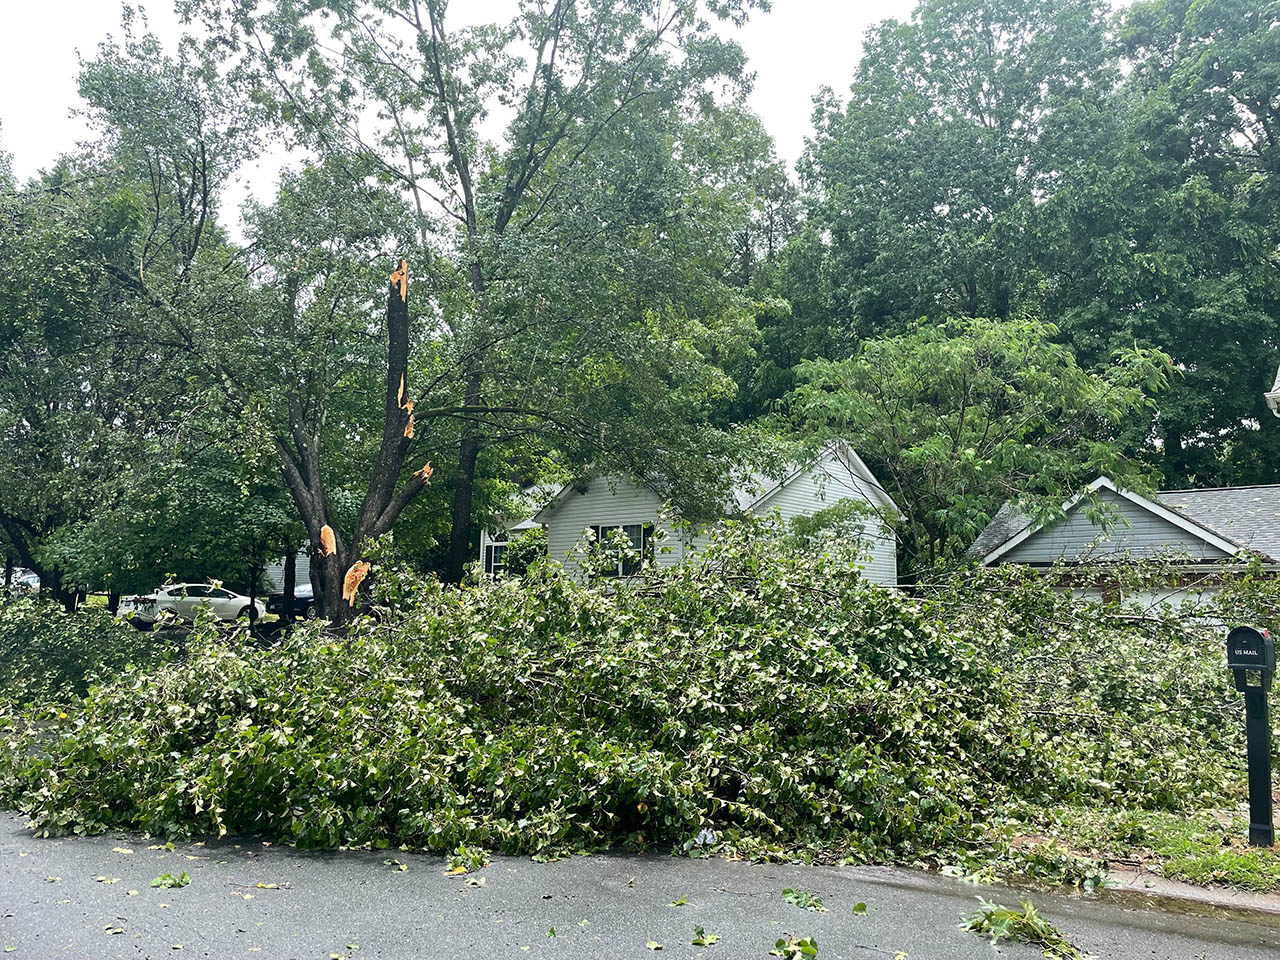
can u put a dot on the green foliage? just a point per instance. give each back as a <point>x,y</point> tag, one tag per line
<point>803,899</point>
<point>766,694</point>
<point>167,881</point>
<point>48,656</point>
<point>1209,847</point>
<point>703,939</point>
<point>525,549</point>
<point>996,923</point>
<point>955,416</point>
<point>795,948</point>
<point>1113,176</point>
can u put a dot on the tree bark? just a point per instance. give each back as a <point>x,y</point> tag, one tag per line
<point>464,483</point>
<point>383,502</point>
<point>290,581</point>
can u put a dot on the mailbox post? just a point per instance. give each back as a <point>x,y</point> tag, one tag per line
<point>1251,655</point>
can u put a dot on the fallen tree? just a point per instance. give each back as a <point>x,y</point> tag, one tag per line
<point>765,700</point>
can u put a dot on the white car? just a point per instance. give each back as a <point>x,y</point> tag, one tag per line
<point>182,601</point>
<point>24,583</point>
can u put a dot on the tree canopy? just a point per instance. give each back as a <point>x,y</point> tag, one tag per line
<point>1029,244</point>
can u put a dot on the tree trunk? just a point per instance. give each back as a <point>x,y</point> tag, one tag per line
<point>383,502</point>
<point>255,574</point>
<point>333,569</point>
<point>464,484</point>
<point>1175,457</point>
<point>290,581</point>
<point>113,601</point>
<point>8,572</point>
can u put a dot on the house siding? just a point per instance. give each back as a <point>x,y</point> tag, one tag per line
<point>810,491</point>
<point>608,503</point>
<point>1137,534</point>
<point>302,572</point>
<point>823,486</point>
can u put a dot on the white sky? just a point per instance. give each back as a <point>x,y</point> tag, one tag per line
<point>798,47</point>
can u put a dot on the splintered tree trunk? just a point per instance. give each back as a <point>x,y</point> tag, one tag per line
<point>383,500</point>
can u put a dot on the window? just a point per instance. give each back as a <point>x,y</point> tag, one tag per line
<point>494,562</point>
<point>641,537</point>
<point>216,594</point>
<point>196,590</point>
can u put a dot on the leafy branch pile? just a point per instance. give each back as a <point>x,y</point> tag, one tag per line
<point>46,654</point>
<point>768,696</point>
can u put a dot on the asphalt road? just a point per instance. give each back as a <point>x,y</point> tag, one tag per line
<point>91,898</point>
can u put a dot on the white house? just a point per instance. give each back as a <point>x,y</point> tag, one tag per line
<point>493,544</point>
<point>606,504</point>
<point>1210,534</point>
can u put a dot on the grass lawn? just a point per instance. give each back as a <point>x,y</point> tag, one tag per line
<point>1204,847</point>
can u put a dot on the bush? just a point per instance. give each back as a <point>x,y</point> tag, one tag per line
<point>48,654</point>
<point>769,700</point>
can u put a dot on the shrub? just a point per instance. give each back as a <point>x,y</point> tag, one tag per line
<point>47,654</point>
<point>768,699</point>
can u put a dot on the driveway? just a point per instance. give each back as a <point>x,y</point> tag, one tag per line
<point>92,898</point>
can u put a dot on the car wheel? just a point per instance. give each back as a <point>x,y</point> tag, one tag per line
<point>310,613</point>
<point>146,626</point>
<point>248,613</point>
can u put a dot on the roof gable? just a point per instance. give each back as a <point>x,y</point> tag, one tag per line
<point>1009,529</point>
<point>753,492</point>
<point>835,459</point>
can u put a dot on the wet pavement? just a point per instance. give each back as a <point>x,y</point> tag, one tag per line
<point>92,898</point>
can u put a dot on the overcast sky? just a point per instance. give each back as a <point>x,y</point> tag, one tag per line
<point>800,46</point>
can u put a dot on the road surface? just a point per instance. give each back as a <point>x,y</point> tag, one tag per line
<point>92,899</point>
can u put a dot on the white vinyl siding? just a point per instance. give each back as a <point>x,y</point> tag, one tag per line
<point>603,504</point>
<point>600,503</point>
<point>302,572</point>
<point>823,486</point>
<point>1137,534</point>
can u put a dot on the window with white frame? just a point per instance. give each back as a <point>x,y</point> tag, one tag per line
<point>494,558</point>
<point>495,553</point>
<point>638,535</point>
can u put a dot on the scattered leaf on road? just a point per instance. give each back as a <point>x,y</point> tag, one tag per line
<point>653,945</point>
<point>703,939</point>
<point>859,908</point>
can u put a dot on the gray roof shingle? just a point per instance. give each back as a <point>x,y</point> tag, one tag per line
<point>1247,516</point>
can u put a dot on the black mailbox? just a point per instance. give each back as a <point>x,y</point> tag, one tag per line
<point>1252,651</point>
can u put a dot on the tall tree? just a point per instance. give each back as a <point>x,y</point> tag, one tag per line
<point>923,184</point>
<point>74,381</point>
<point>1168,232</point>
<point>957,418</point>
<point>537,237</point>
